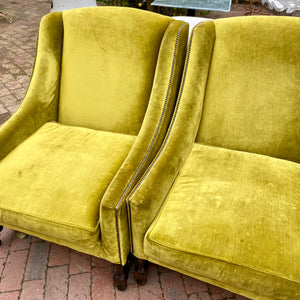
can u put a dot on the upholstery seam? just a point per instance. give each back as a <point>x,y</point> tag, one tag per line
<point>152,142</point>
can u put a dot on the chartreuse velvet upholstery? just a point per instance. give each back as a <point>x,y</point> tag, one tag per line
<point>51,154</point>
<point>221,200</point>
<point>99,103</point>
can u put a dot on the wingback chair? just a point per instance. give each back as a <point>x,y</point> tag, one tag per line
<point>221,200</point>
<point>101,96</point>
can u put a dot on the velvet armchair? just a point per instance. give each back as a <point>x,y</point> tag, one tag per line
<point>101,96</point>
<point>221,200</point>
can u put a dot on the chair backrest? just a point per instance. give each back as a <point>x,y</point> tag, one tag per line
<point>252,98</point>
<point>108,65</point>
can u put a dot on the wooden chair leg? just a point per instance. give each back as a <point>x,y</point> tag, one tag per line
<point>141,271</point>
<point>121,273</point>
<point>129,263</point>
<point>120,278</point>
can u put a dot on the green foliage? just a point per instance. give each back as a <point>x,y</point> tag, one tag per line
<point>204,13</point>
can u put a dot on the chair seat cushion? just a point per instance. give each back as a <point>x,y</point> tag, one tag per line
<point>53,182</point>
<point>233,217</point>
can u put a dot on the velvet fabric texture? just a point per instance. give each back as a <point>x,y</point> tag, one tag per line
<point>113,214</point>
<point>147,197</point>
<point>108,68</point>
<point>257,83</point>
<point>110,91</point>
<point>66,200</point>
<point>242,219</point>
<point>226,209</point>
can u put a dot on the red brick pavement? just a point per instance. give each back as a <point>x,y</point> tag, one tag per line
<point>34,269</point>
<point>17,42</point>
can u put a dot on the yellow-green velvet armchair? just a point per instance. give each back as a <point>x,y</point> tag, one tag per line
<point>101,96</point>
<point>221,200</point>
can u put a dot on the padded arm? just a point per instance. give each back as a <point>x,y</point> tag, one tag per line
<point>40,102</point>
<point>148,196</point>
<point>114,234</point>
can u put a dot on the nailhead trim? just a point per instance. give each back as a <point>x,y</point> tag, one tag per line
<point>152,142</point>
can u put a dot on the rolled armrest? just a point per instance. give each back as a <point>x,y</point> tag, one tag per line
<point>40,103</point>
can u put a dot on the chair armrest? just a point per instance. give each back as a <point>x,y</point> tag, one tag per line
<point>160,108</point>
<point>40,103</point>
<point>148,196</point>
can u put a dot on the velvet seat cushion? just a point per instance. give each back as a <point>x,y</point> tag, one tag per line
<point>53,182</point>
<point>233,218</point>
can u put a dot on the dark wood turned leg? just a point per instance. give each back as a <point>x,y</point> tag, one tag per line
<point>141,271</point>
<point>120,277</point>
<point>121,273</point>
<point>1,228</point>
<point>130,261</point>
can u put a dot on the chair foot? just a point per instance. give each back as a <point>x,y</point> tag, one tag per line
<point>121,273</point>
<point>120,278</point>
<point>141,271</point>
<point>129,263</point>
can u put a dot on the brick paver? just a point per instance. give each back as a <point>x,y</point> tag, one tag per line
<point>80,263</point>
<point>35,269</point>
<point>57,283</point>
<point>102,284</point>
<point>33,289</point>
<point>37,261</point>
<point>82,280</point>
<point>152,290</point>
<point>12,275</point>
